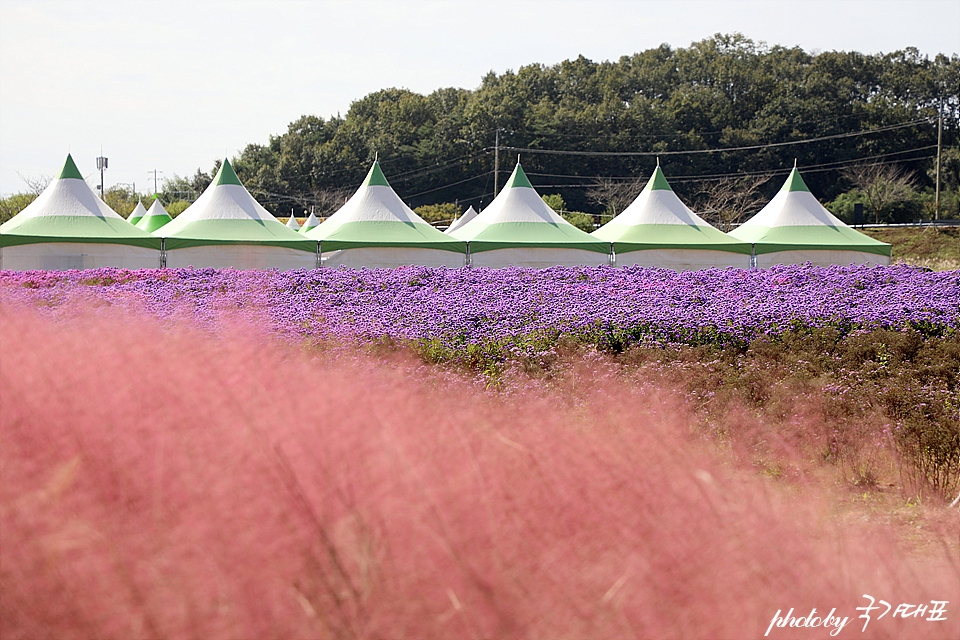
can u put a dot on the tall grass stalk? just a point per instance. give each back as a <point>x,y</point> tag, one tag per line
<point>163,484</point>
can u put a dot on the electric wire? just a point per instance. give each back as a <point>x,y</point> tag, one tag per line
<point>589,181</point>
<point>756,147</point>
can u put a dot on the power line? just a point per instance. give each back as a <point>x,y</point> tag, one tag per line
<point>452,184</point>
<point>547,134</point>
<point>814,168</point>
<point>419,173</point>
<point>721,150</point>
<point>397,177</point>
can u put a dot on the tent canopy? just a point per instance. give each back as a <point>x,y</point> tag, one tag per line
<point>375,216</point>
<point>795,221</point>
<point>657,219</point>
<point>226,214</point>
<point>310,223</point>
<point>518,217</point>
<point>467,216</point>
<point>68,211</point>
<point>137,214</point>
<point>155,217</point>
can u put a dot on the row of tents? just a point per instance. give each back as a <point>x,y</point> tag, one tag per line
<point>69,227</point>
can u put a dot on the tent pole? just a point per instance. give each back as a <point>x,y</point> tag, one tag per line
<point>319,259</point>
<point>163,253</point>
<point>753,256</point>
<point>467,258</point>
<point>612,257</point>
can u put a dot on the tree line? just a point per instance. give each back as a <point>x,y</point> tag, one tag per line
<point>726,118</point>
<point>726,111</point>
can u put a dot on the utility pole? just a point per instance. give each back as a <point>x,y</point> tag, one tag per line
<point>936,206</point>
<point>154,172</point>
<point>496,164</point>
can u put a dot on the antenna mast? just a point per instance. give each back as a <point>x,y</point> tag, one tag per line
<point>101,165</point>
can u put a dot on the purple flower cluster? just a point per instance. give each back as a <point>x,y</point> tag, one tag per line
<point>488,313</point>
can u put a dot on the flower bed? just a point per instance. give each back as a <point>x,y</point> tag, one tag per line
<point>489,315</point>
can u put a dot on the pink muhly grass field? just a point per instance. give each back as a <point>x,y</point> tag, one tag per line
<point>165,484</point>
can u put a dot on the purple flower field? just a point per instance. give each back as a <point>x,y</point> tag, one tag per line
<point>483,314</point>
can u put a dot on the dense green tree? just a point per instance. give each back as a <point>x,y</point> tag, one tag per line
<point>12,205</point>
<point>176,208</point>
<point>582,221</point>
<point>726,107</point>
<point>555,202</point>
<point>188,189</point>
<point>882,187</point>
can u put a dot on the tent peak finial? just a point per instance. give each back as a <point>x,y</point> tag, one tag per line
<point>658,161</point>
<point>794,163</point>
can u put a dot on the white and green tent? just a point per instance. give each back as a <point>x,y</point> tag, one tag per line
<point>69,227</point>
<point>293,224</point>
<point>467,216</point>
<point>658,230</point>
<point>518,228</point>
<point>137,214</point>
<point>794,228</point>
<point>155,217</point>
<point>375,229</point>
<point>227,228</point>
<point>311,222</point>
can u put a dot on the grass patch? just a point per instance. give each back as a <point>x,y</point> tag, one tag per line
<point>936,248</point>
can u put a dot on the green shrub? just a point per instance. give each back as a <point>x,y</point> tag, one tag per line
<point>444,213</point>
<point>176,208</point>
<point>12,205</point>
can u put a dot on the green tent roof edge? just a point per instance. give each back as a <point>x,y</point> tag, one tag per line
<point>69,170</point>
<point>778,247</point>
<point>172,243</point>
<point>480,246</point>
<point>226,175</point>
<point>152,223</point>
<point>146,241</point>
<point>628,247</point>
<point>335,245</point>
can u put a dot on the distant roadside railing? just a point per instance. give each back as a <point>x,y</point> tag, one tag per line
<point>918,223</point>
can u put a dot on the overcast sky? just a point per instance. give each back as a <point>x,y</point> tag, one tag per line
<point>173,85</point>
